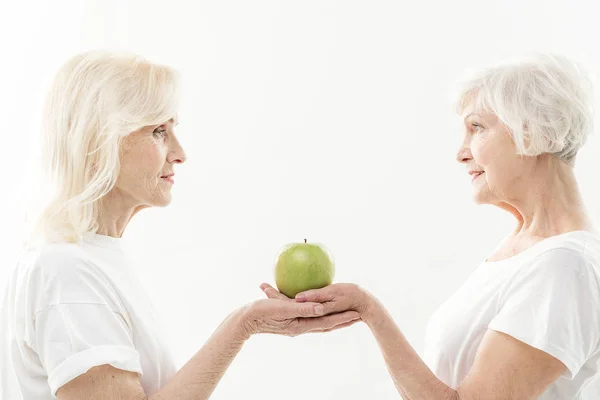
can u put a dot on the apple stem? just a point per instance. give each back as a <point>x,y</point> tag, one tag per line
<point>304,240</point>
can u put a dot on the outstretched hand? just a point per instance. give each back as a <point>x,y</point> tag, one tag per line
<point>281,315</point>
<point>335,298</point>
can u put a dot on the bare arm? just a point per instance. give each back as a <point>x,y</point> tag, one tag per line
<point>504,368</point>
<point>199,377</point>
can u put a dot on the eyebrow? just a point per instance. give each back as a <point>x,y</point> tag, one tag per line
<point>474,114</point>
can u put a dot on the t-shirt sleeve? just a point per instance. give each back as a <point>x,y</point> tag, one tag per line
<point>78,321</point>
<point>552,304</point>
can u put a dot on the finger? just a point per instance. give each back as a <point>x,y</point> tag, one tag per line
<point>273,293</point>
<point>328,321</point>
<point>264,286</point>
<point>316,295</point>
<point>308,310</point>
<point>340,326</point>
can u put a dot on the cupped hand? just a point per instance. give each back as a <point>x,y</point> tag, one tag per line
<point>335,298</point>
<point>281,315</point>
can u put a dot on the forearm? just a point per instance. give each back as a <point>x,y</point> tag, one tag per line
<point>411,376</point>
<point>199,377</point>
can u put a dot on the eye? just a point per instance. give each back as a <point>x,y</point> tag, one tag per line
<point>160,132</point>
<point>476,127</point>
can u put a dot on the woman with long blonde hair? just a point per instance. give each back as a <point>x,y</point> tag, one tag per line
<point>76,323</point>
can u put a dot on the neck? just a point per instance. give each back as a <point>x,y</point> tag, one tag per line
<point>550,203</point>
<point>115,212</point>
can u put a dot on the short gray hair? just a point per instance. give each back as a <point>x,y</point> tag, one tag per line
<point>545,101</point>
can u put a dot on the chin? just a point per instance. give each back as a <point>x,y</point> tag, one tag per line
<point>481,197</point>
<point>163,201</point>
<point>479,201</point>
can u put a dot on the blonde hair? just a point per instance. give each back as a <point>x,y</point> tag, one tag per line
<point>96,99</point>
<point>545,101</point>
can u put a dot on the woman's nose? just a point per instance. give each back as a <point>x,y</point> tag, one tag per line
<point>464,154</point>
<point>177,154</point>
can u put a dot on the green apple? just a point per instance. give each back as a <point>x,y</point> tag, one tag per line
<point>303,266</point>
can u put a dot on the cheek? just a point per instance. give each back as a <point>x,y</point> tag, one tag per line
<point>486,156</point>
<point>490,153</point>
<point>481,150</point>
<point>152,156</point>
<point>502,171</point>
<point>143,163</point>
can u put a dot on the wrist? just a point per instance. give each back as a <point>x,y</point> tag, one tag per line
<point>372,310</point>
<point>243,322</point>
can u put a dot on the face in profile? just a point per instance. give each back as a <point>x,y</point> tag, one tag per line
<point>490,156</point>
<point>148,157</point>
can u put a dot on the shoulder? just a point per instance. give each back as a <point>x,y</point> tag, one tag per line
<point>576,251</point>
<point>60,274</point>
<point>564,266</point>
<point>63,264</point>
<point>59,258</point>
<point>568,261</point>
<point>560,260</point>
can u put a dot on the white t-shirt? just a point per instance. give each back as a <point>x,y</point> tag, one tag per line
<point>70,307</point>
<point>547,296</point>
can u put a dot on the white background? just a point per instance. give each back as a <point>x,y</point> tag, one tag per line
<point>326,120</point>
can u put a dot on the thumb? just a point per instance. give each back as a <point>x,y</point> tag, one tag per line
<point>307,309</point>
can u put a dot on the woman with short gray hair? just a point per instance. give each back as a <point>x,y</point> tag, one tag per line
<point>526,323</point>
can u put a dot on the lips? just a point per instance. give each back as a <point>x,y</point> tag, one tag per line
<point>169,178</point>
<point>475,174</point>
